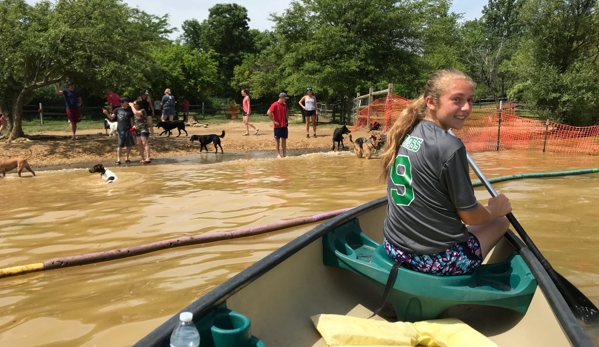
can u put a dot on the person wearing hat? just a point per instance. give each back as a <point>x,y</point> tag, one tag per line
<point>146,102</point>
<point>277,112</point>
<point>124,117</point>
<point>113,100</point>
<point>310,112</point>
<point>73,102</point>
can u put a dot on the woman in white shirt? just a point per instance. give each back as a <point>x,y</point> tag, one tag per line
<point>310,112</point>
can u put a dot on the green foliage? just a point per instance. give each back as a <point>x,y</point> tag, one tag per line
<point>96,43</point>
<point>556,62</point>
<point>226,33</point>
<point>187,71</point>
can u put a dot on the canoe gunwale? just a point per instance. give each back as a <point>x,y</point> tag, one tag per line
<point>573,330</point>
<point>160,336</point>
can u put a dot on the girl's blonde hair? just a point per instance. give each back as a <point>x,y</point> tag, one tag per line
<point>167,91</point>
<point>436,85</point>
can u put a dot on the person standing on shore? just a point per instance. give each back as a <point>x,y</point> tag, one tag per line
<point>73,102</point>
<point>277,112</point>
<point>310,112</point>
<point>185,106</point>
<point>168,106</point>
<point>124,117</point>
<point>142,131</point>
<point>113,100</point>
<point>158,107</point>
<point>146,103</point>
<point>246,111</point>
<point>2,121</point>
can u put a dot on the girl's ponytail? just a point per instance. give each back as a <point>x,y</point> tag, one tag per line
<point>407,120</point>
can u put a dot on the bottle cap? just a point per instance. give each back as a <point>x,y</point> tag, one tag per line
<point>186,316</point>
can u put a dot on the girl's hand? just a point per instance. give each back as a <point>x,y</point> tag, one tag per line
<point>276,123</point>
<point>499,206</point>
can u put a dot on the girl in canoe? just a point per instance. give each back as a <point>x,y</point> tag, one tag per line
<point>434,223</point>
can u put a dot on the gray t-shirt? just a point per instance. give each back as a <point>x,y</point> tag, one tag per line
<point>427,185</point>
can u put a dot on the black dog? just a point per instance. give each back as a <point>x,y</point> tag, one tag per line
<point>170,125</point>
<point>108,175</point>
<point>206,139</point>
<point>338,137</point>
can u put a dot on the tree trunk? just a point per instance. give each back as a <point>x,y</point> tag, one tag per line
<point>15,117</point>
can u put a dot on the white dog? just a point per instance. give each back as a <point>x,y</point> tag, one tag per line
<point>111,125</point>
<point>106,174</point>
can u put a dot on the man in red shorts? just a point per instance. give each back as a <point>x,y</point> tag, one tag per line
<point>73,102</point>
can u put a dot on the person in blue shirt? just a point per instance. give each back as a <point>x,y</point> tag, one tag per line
<point>73,102</point>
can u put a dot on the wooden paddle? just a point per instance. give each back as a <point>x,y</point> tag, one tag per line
<point>581,306</point>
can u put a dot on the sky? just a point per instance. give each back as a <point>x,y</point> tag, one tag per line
<point>258,10</point>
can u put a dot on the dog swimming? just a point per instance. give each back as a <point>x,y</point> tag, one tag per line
<point>105,173</point>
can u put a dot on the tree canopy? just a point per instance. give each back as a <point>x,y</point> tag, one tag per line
<point>540,52</point>
<point>92,42</point>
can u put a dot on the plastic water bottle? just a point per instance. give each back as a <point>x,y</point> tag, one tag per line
<point>185,334</point>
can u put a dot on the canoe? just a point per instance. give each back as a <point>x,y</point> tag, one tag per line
<point>337,268</point>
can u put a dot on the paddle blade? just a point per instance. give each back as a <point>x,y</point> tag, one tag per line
<point>581,306</point>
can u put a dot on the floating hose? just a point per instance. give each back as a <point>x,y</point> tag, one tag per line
<point>97,257</point>
<point>536,175</point>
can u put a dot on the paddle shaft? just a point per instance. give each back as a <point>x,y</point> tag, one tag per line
<point>580,305</point>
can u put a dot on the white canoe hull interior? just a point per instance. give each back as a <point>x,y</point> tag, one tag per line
<point>280,302</point>
<point>281,292</point>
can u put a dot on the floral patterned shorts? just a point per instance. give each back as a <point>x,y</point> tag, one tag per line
<point>460,259</point>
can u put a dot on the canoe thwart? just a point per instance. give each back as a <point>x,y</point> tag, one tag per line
<point>417,296</point>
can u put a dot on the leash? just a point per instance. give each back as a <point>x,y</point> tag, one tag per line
<point>388,286</point>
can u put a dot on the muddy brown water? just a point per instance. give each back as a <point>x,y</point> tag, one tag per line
<point>115,303</point>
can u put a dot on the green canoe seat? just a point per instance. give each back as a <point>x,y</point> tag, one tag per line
<point>417,296</point>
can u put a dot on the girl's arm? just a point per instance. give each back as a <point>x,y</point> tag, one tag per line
<point>497,207</point>
<point>249,107</point>
<point>135,112</point>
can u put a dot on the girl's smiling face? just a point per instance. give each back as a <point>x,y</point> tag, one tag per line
<point>453,107</point>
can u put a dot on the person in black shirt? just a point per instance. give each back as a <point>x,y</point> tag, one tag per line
<point>124,117</point>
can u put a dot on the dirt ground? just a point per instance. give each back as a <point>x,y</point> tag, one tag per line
<point>56,149</point>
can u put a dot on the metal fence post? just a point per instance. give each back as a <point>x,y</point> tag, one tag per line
<point>41,114</point>
<point>546,132</point>
<point>499,124</point>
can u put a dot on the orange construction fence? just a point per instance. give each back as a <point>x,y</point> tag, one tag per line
<point>489,129</point>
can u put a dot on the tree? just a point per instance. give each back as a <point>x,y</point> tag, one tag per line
<point>193,72</point>
<point>491,40</point>
<point>226,32</point>
<point>338,47</point>
<point>556,61</point>
<point>89,41</point>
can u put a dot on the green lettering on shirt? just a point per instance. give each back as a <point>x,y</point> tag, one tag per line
<point>412,143</point>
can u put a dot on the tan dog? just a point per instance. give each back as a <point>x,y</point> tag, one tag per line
<point>365,147</point>
<point>12,163</point>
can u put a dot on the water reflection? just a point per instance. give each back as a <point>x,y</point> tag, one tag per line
<point>114,303</point>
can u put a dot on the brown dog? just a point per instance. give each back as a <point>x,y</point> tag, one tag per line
<point>365,147</point>
<point>12,163</point>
